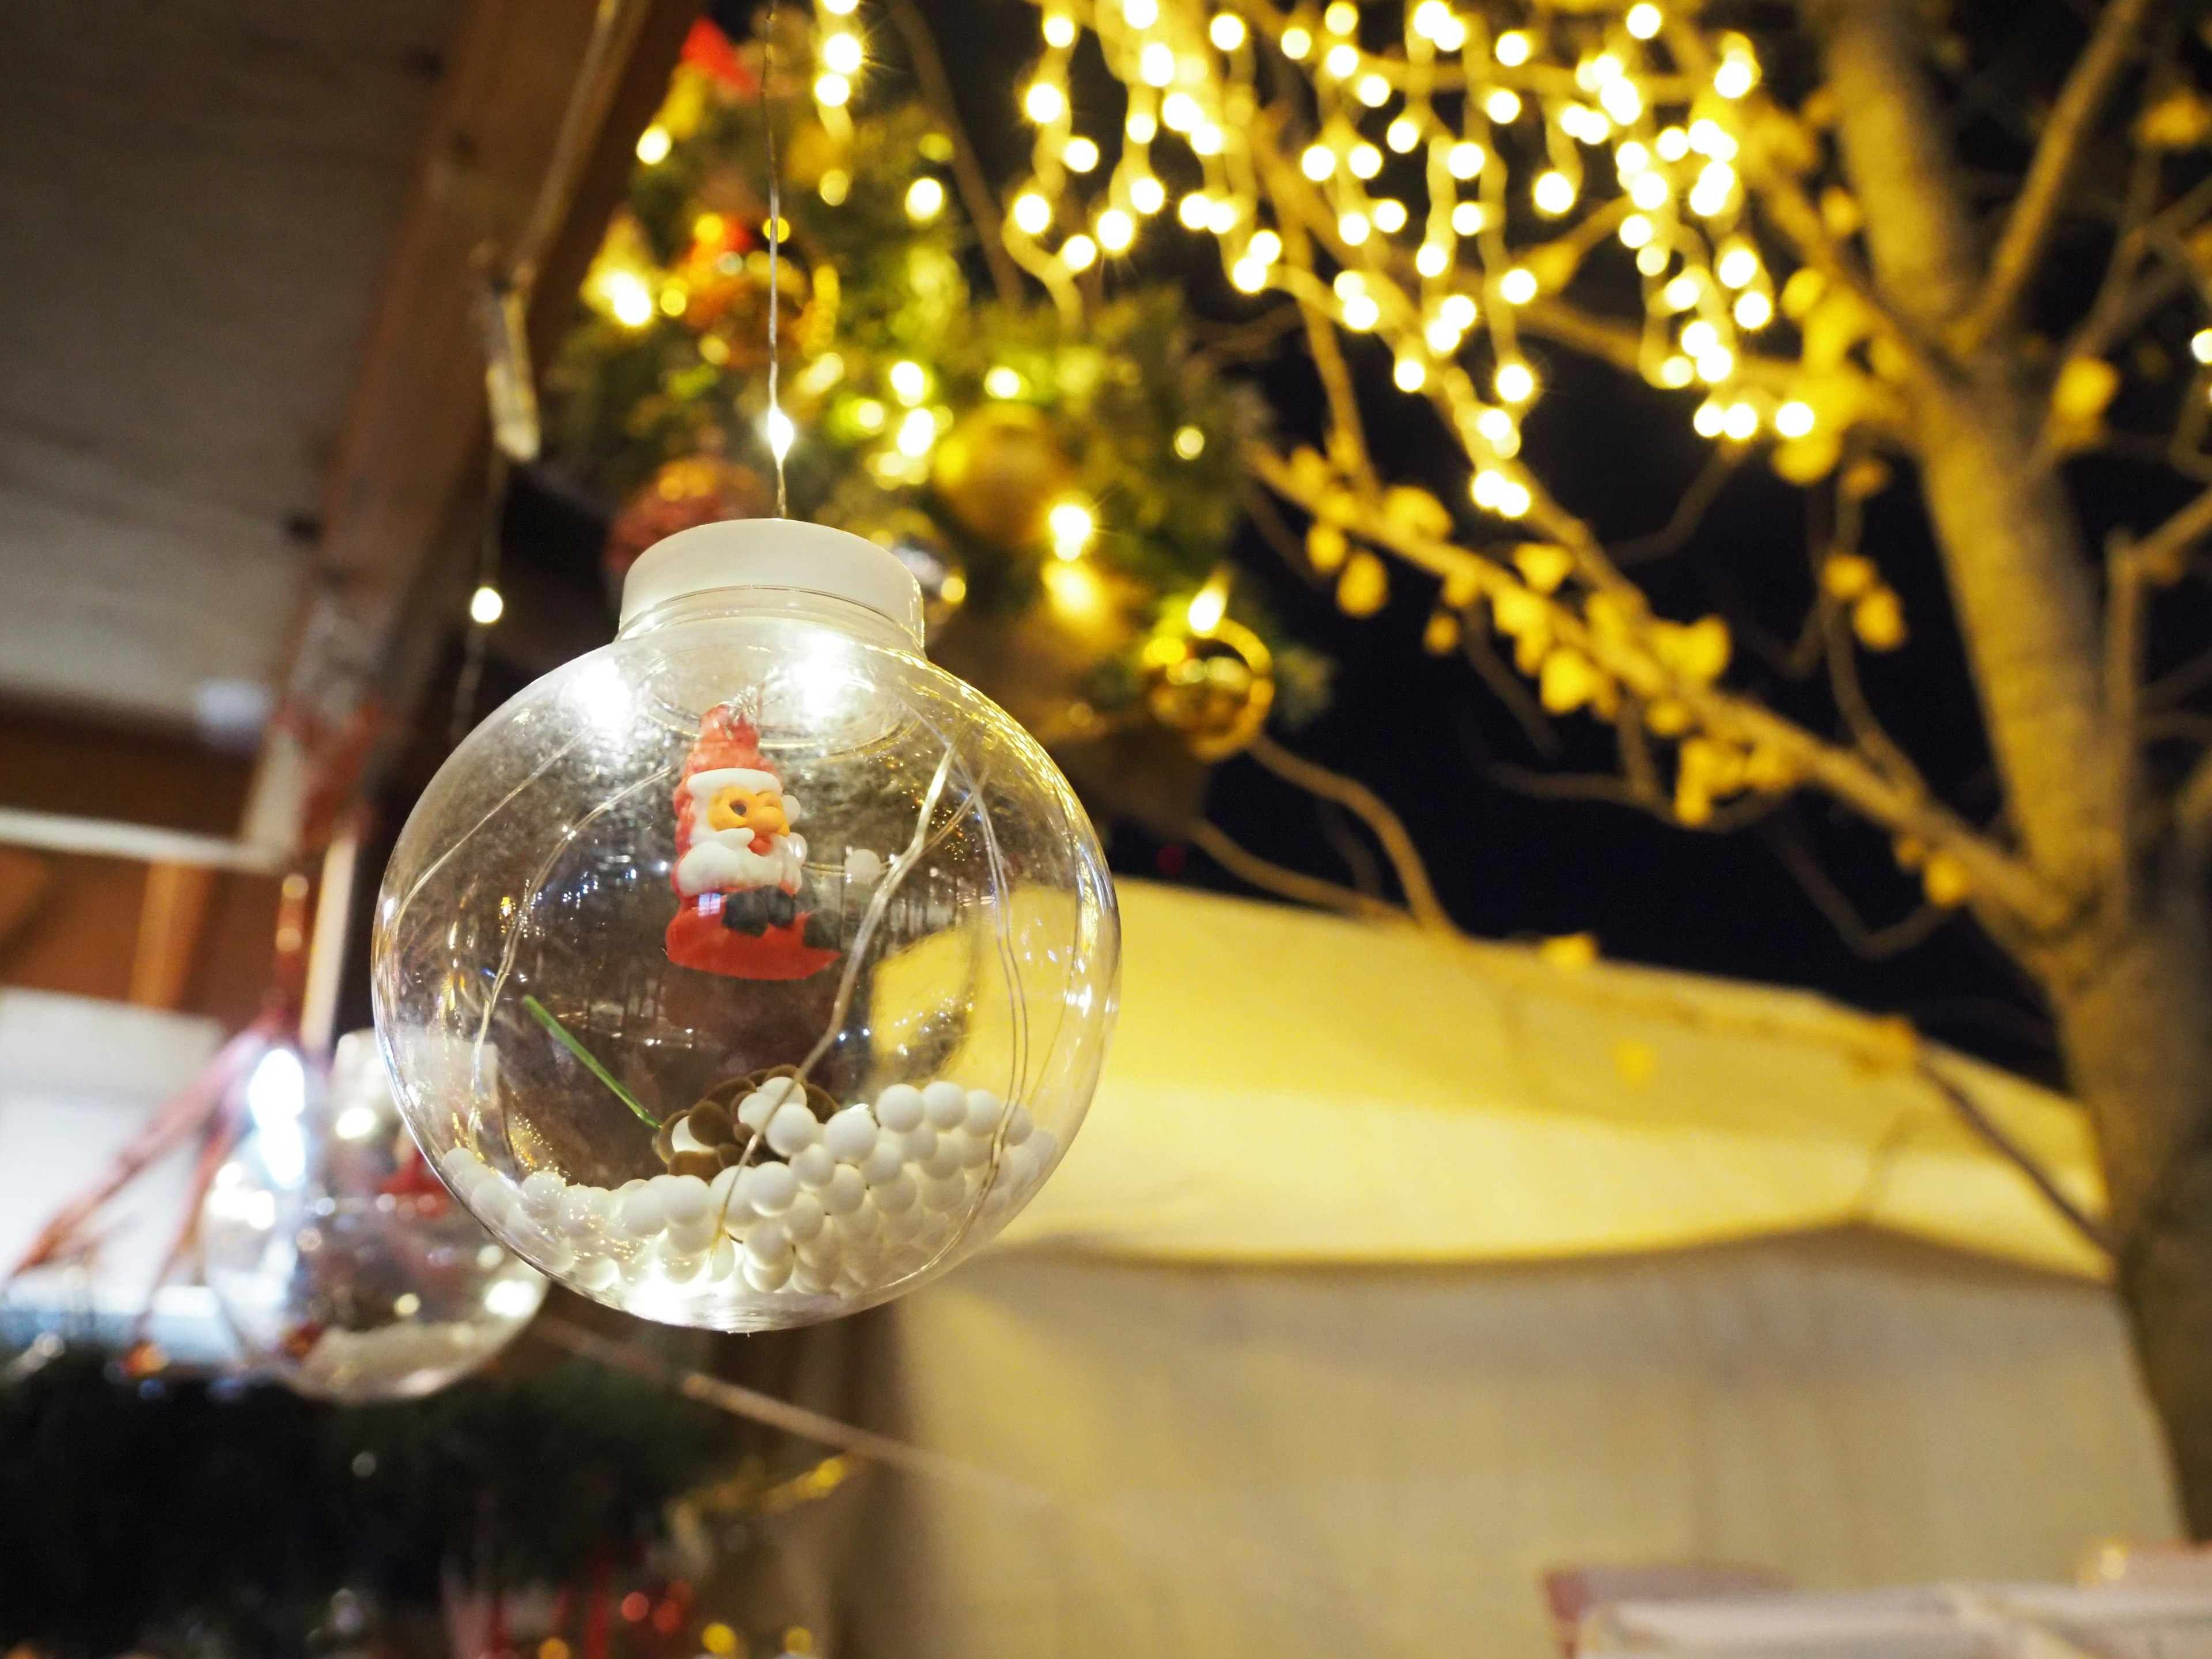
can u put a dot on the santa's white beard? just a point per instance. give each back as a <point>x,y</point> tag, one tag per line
<point>723,860</point>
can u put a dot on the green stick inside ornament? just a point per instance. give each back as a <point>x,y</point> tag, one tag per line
<point>544,1017</point>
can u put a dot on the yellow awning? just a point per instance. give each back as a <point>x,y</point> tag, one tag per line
<point>1288,1087</point>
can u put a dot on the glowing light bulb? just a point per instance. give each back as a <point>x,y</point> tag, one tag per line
<point>1264,247</point>
<point>1226,30</point>
<point>1317,162</point>
<point>1342,17</point>
<point>1071,525</point>
<point>1156,64</point>
<point>1463,160</point>
<point>2200,345</point>
<point>1432,259</point>
<point>1179,112</point>
<point>1517,286</point>
<point>1365,161</point>
<point>1706,423</point>
<point>1794,419</point>
<point>1190,444</point>
<point>1352,228</point>
<point>1147,194</point>
<point>1141,126</point>
<point>1554,194</point>
<point>1672,143</point>
<point>1635,231</point>
<point>1141,14</point>
<point>835,184</point>
<point>1207,606</point>
<point>1468,218</point>
<point>1457,310</point>
<point>1116,230</point>
<point>1079,252</point>
<point>1032,213</point>
<point>1195,210</point>
<point>1341,60</point>
<point>1081,155</point>
<point>1717,365</point>
<point>1442,338</point>
<point>653,145</point>
<point>1372,90</point>
<point>868,415</point>
<point>1502,105</point>
<point>779,432</point>
<point>1681,293</point>
<point>1621,99</point>
<point>1402,134</point>
<point>1389,216</point>
<point>486,606</point>
<point>925,200</point>
<point>1361,313</point>
<point>1648,190</point>
<point>1515,383</point>
<point>1676,371</point>
<point>1737,266</point>
<point>1631,159</point>
<point>1754,309</point>
<point>1248,276</point>
<point>1296,44</point>
<point>1732,80</point>
<point>1739,421</point>
<point>1409,374</point>
<point>909,381</point>
<point>1497,428</point>
<point>842,52</point>
<point>1642,21</point>
<point>628,298</point>
<point>916,432</point>
<point>1043,102</point>
<point>1003,382</point>
<point>1059,30</point>
<point>1512,48</point>
<point>832,91</point>
<point>840,8</point>
<point>1699,336</point>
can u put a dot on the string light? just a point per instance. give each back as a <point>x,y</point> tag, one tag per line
<point>842,52</point>
<point>1043,103</point>
<point>1002,382</point>
<point>1147,195</point>
<point>1794,419</point>
<point>1058,31</point>
<point>1317,162</point>
<point>909,381</point>
<point>1554,194</point>
<point>1515,383</point>
<point>1296,44</point>
<point>653,145</point>
<point>1116,230</point>
<point>1365,161</point>
<point>1081,155</point>
<point>1079,252</point>
<point>925,200</point>
<point>1517,286</point>
<point>486,606</point>
<point>832,91</point>
<point>1643,22</point>
<point>1512,48</point>
<point>1032,213</point>
<point>1141,14</point>
<point>1071,525</point>
<point>1226,30</point>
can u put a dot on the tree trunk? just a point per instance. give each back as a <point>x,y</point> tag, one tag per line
<point>2135,1018</point>
<point>2129,977</point>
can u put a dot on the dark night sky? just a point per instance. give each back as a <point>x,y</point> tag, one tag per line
<point>1424,732</point>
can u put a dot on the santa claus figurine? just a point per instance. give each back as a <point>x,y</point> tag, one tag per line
<point>739,863</point>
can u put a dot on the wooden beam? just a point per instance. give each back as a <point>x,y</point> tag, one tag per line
<point>415,432</point>
<point>172,914</point>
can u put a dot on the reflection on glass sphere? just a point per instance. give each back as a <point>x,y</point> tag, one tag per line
<point>750,969</point>
<point>345,1268</point>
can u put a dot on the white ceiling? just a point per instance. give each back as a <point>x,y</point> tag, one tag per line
<point>196,201</point>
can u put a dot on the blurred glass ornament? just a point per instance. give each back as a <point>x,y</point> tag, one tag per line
<point>752,970</point>
<point>1000,471</point>
<point>346,1270</point>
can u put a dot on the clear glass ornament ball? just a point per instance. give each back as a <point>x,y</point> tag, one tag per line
<point>752,970</point>
<point>344,1267</point>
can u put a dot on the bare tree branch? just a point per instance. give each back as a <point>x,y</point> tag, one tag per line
<point>1970,1113</point>
<point>976,195</point>
<point>1288,884</point>
<point>1858,713</point>
<point>1689,511</point>
<point>1372,811</point>
<point>1998,875</point>
<point>1872,944</point>
<point>1527,712</point>
<point>1615,791</point>
<point>2036,209</point>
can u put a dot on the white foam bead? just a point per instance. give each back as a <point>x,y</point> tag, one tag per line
<point>863,1220</point>
<point>792,1129</point>
<point>541,1192</point>
<point>722,1262</point>
<point>899,1108</point>
<point>772,1187</point>
<point>814,1281</point>
<point>944,1104</point>
<point>643,1213</point>
<point>944,1161</point>
<point>756,1108</point>
<point>682,1269</point>
<point>822,1252</point>
<point>765,1276</point>
<point>844,1190</point>
<point>692,1236</point>
<point>894,1197</point>
<point>984,1111</point>
<point>596,1273</point>
<point>686,1199</point>
<point>769,1241</point>
<point>887,1161</point>
<point>1043,1145</point>
<point>781,1089</point>
<point>814,1165</point>
<point>919,1145</point>
<point>851,1134</point>
<point>947,1192</point>
<point>718,1190</point>
<point>580,1215</point>
<point>803,1220</point>
<point>1019,1125</point>
<point>974,1149</point>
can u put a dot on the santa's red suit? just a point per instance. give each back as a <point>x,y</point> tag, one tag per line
<point>738,863</point>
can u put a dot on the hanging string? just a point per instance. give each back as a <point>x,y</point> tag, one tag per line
<point>779,430</point>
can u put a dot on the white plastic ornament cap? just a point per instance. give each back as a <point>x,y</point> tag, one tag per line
<point>782,553</point>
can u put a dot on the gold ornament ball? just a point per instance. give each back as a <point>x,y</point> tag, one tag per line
<point>1214,689</point>
<point>998,471</point>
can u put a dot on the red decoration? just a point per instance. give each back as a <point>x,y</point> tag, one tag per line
<point>708,50</point>
<point>738,866</point>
